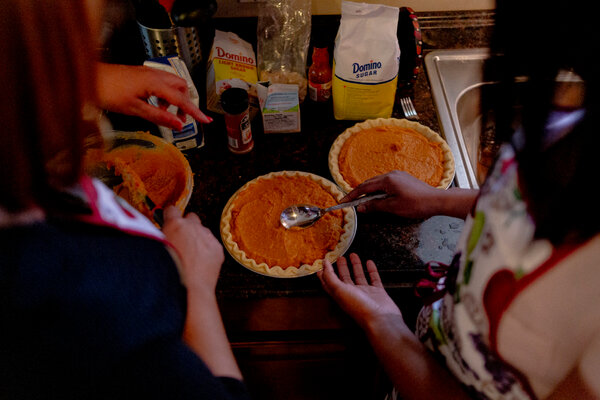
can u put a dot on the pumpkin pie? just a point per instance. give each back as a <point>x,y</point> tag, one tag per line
<point>253,235</point>
<point>378,146</point>
<point>148,166</point>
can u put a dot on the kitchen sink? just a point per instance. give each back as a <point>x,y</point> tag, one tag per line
<point>456,81</point>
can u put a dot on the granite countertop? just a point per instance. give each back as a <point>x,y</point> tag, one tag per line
<point>399,247</point>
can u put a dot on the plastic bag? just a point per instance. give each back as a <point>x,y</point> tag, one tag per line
<point>283,36</point>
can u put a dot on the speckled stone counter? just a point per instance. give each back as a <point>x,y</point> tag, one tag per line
<point>398,246</point>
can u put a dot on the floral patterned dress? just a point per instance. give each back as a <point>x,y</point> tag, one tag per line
<point>497,265</point>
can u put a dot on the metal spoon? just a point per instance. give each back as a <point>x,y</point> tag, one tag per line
<point>304,215</point>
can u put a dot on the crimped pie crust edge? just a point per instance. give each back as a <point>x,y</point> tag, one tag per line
<point>430,134</point>
<point>289,272</point>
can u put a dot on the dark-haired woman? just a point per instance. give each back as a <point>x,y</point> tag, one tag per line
<point>517,315</point>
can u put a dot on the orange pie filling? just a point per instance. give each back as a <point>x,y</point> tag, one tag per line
<point>378,150</point>
<point>162,178</point>
<point>158,172</point>
<point>256,228</point>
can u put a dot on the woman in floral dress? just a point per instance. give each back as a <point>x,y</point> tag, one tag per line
<point>515,315</point>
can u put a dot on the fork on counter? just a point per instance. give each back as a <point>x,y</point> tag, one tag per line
<point>408,108</point>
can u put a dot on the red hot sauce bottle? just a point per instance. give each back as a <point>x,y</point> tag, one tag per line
<point>319,75</point>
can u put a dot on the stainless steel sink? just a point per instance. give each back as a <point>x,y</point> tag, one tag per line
<point>456,80</point>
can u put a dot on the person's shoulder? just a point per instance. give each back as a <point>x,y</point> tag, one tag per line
<point>97,282</point>
<point>589,365</point>
<point>586,253</point>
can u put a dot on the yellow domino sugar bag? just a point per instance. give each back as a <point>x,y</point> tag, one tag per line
<point>366,59</point>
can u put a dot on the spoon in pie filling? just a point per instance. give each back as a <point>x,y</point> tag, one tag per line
<point>304,215</point>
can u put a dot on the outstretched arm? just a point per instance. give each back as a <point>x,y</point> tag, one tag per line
<point>409,197</point>
<point>413,371</point>
<point>201,256</point>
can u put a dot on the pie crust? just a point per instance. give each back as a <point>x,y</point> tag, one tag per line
<point>272,229</point>
<point>336,148</point>
<point>149,167</point>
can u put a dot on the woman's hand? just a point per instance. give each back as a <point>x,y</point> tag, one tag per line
<point>362,300</point>
<point>406,361</point>
<point>201,256</point>
<point>125,89</point>
<point>200,253</point>
<point>412,198</point>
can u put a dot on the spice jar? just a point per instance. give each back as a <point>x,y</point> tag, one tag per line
<point>237,120</point>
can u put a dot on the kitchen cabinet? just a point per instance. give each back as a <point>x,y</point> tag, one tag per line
<point>301,348</point>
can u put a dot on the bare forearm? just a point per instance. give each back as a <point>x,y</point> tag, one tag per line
<point>413,371</point>
<point>205,334</point>
<point>456,202</point>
